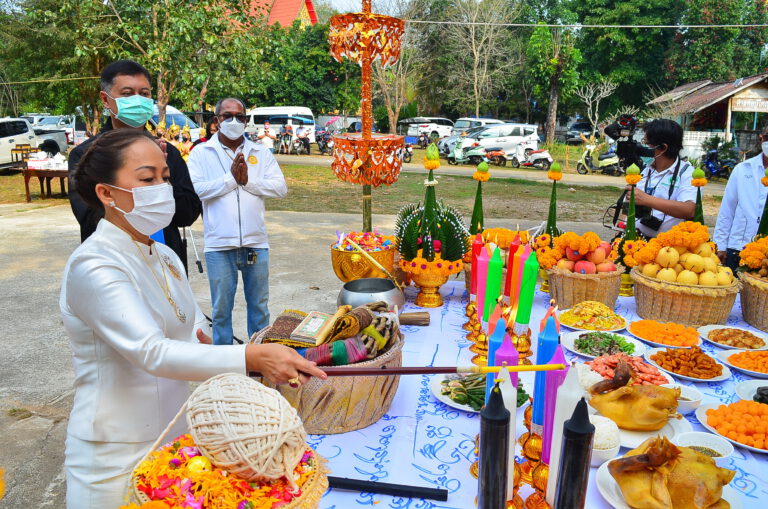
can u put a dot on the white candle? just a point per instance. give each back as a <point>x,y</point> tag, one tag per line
<point>509,395</point>
<point>568,394</point>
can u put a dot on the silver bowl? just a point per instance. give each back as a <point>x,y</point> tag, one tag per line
<point>372,289</point>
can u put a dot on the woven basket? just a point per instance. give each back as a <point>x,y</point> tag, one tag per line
<point>754,300</point>
<point>691,305</point>
<point>344,403</point>
<point>569,288</point>
<point>312,490</point>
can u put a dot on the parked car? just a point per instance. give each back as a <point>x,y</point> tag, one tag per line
<point>431,126</point>
<point>464,124</point>
<point>73,125</point>
<point>280,116</point>
<point>357,127</point>
<point>34,118</point>
<point>446,145</point>
<point>574,132</point>
<point>507,137</point>
<point>17,131</point>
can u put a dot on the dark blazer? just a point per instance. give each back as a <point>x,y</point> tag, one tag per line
<point>188,207</point>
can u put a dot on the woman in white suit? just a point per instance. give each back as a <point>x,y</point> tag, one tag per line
<point>134,326</point>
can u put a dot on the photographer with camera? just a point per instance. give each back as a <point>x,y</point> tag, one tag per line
<point>628,150</point>
<point>664,197</point>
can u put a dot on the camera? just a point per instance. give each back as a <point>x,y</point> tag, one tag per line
<point>628,150</point>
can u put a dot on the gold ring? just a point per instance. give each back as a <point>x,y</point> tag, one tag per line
<point>294,382</point>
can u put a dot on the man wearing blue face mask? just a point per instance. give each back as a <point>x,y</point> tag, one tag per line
<point>742,206</point>
<point>126,93</point>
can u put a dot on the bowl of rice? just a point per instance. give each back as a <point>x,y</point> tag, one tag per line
<point>605,445</point>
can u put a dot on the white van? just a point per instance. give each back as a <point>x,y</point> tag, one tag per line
<point>279,116</point>
<point>174,116</point>
<point>508,137</point>
<point>465,124</point>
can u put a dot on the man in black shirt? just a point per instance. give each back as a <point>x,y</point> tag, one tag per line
<point>126,93</point>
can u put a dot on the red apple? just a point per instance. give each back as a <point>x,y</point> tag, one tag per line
<point>584,267</point>
<point>572,255</point>
<point>565,264</point>
<point>606,267</point>
<point>597,256</point>
<point>606,247</point>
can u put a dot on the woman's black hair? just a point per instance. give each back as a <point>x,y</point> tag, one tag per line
<point>211,123</point>
<point>101,162</point>
<point>667,132</point>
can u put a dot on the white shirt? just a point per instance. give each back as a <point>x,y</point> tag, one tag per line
<point>742,205</point>
<point>131,354</point>
<point>233,215</point>
<point>266,140</point>
<point>301,132</point>
<point>658,183</point>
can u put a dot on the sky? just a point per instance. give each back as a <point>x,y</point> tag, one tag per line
<point>346,5</point>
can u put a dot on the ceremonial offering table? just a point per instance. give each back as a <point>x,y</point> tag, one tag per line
<point>44,174</point>
<point>423,442</point>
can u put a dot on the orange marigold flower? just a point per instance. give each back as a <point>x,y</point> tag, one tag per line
<point>431,164</point>
<point>555,175</point>
<point>699,182</point>
<point>482,176</point>
<point>633,179</point>
<point>764,180</point>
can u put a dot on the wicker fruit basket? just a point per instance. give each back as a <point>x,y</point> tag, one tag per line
<point>345,403</point>
<point>754,300</point>
<point>569,288</point>
<point>691,305</point>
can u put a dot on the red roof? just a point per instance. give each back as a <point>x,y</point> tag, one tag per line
<point>284,12</point>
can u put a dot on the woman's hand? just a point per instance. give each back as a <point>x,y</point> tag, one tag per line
<point>203,338</point>
<point>280,364</point>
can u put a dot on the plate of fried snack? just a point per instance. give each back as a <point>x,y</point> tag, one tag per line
<point>753,363</point>
<point>659,474</point>
<point>737,338</point>
<point>591,315</point>
<point>690,364</point>
<point>640,411</point>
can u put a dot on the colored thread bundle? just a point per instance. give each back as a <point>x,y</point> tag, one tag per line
<point>338,353</point>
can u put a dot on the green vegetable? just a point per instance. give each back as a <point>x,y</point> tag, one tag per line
<point>603,343</point>
<point>470,390</point>
<point>761,396</point>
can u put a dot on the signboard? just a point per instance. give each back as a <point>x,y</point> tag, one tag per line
<point>750,104</point>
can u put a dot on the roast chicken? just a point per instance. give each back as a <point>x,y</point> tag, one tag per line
<point>659,475</point>
<point>635,407</point>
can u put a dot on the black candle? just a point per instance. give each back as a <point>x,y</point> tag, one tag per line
<point>575,455</point>
<point>494,456</point>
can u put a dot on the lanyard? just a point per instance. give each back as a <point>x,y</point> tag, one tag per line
<point>652,190</point>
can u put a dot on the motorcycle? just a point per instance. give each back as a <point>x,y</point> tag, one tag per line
<point>713,167</point>
<point>592,160</point>
<point>284,143</point>
<point>539,159</point>
<point>325,142</point>
<point>298,147</point>
<point>406,153</point>
<point>496,156</point>
<point>423,140</point>
<point>472,154</point>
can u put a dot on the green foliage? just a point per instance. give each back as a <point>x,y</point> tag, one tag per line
<point>553,57</point>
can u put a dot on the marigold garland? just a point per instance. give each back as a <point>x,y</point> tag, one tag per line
<point>503,237</point>
<point>633,179</point>
<point>688,234</point>
<point>431,164</point>
<point>482,176</point>
<point>548,257</point>
<point>165,477</point>
<point>438,266</point>
<point>580,243</point>
<point>543,240</point>
<point>764,180</point>
<point>699,182</point>
<point>630,248</point>
<point>555,175</point>
<point>754,253</point>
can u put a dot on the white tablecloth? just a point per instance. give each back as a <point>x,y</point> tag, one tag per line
<point>423,442</point>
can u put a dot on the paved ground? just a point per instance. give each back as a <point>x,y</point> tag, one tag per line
<point>35,369</point>
<point>589,180</point>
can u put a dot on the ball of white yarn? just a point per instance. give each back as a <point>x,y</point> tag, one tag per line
<point>246,428</point>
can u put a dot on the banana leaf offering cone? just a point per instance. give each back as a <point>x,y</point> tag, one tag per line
<point>481,175</point>
<point>554,174</point>
<point>699,180</point>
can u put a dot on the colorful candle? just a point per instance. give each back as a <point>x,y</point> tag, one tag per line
<point>569,393</point>
<point>513,247</point>
<point>575,453</point>
<point>552,311</point>
<point>547,343</point>
<point>494,343</point>
<point>554,380</point>
<point>493,455</point>
<point>494,318</point>
<point>517,273</point>
<point>477,246</point>
<point>482,274</point>
<point>508,354</point>
<point>493,283</point>
<point>527,289</point>
<point>508,387</point>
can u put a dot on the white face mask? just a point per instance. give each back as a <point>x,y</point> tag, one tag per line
<point>153,208</point>
<point>232,129</point>
<point>765,148</point>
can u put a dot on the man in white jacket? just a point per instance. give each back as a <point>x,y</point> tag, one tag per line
<point>742,206</point>
<point>232,175</point>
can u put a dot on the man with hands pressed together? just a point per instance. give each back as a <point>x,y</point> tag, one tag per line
<point>232,175</point>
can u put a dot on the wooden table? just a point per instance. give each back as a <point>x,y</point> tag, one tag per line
<point>47,176</point>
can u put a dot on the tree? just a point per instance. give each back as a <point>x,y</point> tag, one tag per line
<point>552,61</point>
<point>591,94</point>
<point>486,49</point>
<point>9,97</point>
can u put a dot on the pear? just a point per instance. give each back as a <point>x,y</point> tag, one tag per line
<point>651,269</point>
<point>724,278</point>
<point>694,262</point>
<point>727,270</point>
<point>667,274</point>
<point>710,265</point>
<point>667,257</point>
<point>703,249</point>
<point>681,250</point>
<point>688,277</point>
<point>708,278</point>
<point>679,268</point>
